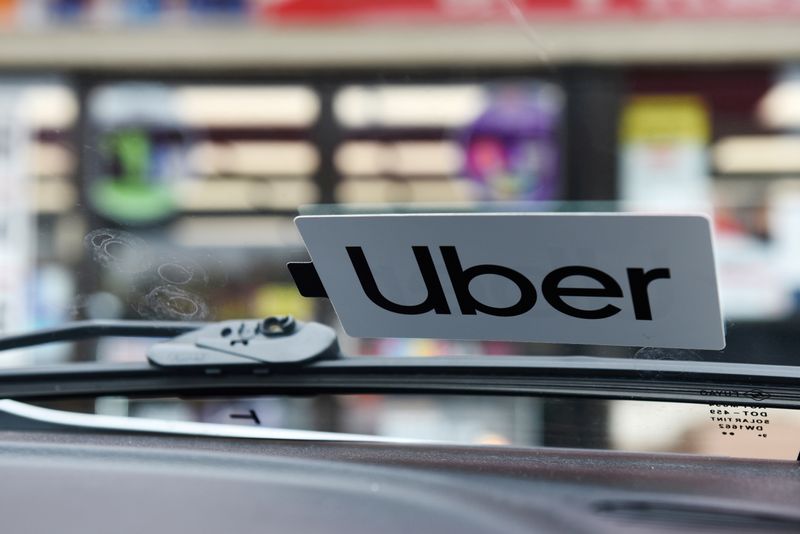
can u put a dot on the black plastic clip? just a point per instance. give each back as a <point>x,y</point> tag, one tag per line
<point>307,279</point>
<point>272,342</point>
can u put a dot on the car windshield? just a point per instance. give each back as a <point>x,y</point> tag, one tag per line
<point>153,156</point>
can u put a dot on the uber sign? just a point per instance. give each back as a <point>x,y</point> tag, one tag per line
<point>607,279</point>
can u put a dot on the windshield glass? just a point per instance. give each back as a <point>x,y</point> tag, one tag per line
<point>153,154</point>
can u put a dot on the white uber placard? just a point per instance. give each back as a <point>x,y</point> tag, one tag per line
<point>604,279</point>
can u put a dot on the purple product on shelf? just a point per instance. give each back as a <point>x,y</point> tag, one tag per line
<point>511,150</point>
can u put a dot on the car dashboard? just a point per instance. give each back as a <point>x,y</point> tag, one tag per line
<point>90,482</point>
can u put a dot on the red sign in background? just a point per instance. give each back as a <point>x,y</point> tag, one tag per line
<point>473,10</point>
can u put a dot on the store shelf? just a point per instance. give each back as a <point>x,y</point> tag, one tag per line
<point>54,196</point>
<point>274,232</point>
<point>537,43</point>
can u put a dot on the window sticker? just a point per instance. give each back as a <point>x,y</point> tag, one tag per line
<point>604,279</point>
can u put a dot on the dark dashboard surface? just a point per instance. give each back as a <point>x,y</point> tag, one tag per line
<point>87,483</point>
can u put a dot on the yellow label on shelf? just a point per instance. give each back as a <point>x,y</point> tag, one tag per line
<point>665,118</point>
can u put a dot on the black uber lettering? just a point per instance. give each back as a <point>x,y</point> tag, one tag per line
<point>638,280</point>
<point>552,290</point>
<point>435,301</point>
<point>460,278</point>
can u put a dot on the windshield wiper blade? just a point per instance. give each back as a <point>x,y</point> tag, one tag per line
<point>290,361</point>
<point>604,378</point>
<point>79,330</point>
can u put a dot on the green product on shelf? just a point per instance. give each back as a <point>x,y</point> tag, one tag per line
<point>132,198</point>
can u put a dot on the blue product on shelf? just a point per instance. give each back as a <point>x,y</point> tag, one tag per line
<point>217,7</point>
<point>68,10</point>
<point>143,10</point>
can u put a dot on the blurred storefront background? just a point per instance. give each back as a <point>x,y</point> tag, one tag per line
<point>153,152</point>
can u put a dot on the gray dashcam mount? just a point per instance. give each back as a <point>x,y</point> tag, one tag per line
<point>272,342</point>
